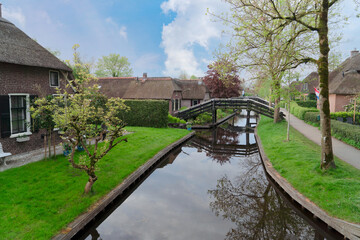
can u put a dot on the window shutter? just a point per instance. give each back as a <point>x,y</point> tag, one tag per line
<point>5,130</point>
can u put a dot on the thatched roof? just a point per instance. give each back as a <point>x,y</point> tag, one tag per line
<point>151,88</point>
<point>346,78</point>
<point>18,48</point>
<point>193,89</point>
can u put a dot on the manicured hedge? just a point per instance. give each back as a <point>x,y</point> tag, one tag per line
<point>346,132</point>
<point>307,104</point>
<point>299,111</point>
<point>345,115</point>
<point>146,113</point>
<point>312,117</point>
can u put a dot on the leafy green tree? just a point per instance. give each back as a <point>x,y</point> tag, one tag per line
<point>311,17</point>
<point>85,119</point>
<point>78,65</point>
<point>113,66</point>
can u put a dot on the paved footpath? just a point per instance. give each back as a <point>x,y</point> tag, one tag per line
<point>342,150</point>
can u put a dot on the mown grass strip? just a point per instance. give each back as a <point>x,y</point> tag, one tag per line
<point>337,191</point>
<point>39,199</point>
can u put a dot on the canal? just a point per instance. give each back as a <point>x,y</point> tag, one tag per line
<point>212,187</point>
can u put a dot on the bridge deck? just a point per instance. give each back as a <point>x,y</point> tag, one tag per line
<point>255,104</point>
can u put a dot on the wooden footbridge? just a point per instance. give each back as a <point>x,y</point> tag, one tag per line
<point>255,104</point>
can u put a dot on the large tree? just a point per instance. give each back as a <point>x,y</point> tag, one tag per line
<point>113,65</point>
<point>310,16</point>
<point>222,79</point>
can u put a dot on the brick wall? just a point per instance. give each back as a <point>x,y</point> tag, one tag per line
<point>35,142</point>
<point>25,79</point>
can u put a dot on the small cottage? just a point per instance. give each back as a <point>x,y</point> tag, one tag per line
<point>26,71</point>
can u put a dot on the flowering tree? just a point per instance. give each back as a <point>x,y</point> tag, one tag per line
<point>86,118</point>
<point>222,80</point>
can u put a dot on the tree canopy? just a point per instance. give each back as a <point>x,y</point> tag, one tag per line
<point>113,65</point>
<point>222,79</point>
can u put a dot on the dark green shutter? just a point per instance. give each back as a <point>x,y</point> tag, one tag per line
<point>5,130</point>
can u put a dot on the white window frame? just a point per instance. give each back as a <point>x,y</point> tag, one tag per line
<point>58,78</point>
<point>28,128</point>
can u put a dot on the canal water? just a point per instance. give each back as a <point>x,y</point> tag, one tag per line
<point>212,187</point>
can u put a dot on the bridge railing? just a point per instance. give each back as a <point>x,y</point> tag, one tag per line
<point>255,104</point>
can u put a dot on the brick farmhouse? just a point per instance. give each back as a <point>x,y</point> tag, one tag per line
<point>27,70</point>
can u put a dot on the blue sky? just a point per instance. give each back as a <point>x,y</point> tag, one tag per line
<point>160,37</point>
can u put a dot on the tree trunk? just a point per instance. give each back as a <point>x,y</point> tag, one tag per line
<point>288,125</point>
<point>90,183</point>
<point>277,100</point>
<point>49,143</point>
<point>327,157</point>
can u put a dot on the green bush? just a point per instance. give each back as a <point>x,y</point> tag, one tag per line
<point>172,119</point>
<point>203,118</point>
<point>346,132</point>
<point>345,115</point>
<point>299,111</point>
<point>146,113</point>
<point>312,117</point>
<point>307,104</point>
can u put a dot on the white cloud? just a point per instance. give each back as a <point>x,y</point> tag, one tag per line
<point>191,28</point>
<point>123,32</point>
<point>14,15</point>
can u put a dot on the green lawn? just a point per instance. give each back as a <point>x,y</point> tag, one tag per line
<point>336,191</point>
<point>39,199</point>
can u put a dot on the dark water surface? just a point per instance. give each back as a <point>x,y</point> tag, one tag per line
<point>213,187</point>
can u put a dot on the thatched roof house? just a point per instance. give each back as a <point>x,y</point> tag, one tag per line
<point>344,82</point>
<point>27,70</point>
<point>178,92</point>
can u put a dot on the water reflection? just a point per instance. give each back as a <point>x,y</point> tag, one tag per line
<point>249,201</point>
<point>214,187</point>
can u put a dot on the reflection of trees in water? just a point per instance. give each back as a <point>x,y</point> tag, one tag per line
<point>257,210</point>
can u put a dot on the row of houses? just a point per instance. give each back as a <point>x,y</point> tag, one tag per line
<point>179,93</point>
<point>344,83</point>
<point>28,70</point>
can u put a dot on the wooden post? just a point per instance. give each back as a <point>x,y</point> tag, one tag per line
<point>213,112</point>
<point>45,145</point>
<point>354,110</point>
<point>248,119</point>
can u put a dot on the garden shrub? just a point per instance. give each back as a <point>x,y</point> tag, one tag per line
<point>299,111</point>
<point>146,113</point>
<point>345,115</point>
<point>312,117</point>
<point>307,104</point>
<point>346,132</point>
<point>203,118</point>
<point>172,119</point>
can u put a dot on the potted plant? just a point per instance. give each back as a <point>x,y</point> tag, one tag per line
<point>189,125</point>
<point>80,147</point>
<point>66,149</point>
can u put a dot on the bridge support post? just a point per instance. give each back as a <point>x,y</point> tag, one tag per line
<point>213,112</point>
<point>248,119</point>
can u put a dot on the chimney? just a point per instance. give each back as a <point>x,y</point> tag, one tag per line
<point>353,53</point>
<point>0,11</point>
<point>144,77</point>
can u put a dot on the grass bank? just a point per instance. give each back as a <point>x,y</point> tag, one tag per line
<point>39,199</point>
<point>336,191</point>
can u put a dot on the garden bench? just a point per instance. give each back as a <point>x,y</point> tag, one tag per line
<point>3,155</point>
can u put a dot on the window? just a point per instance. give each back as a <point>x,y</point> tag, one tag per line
<point>194,102</point>
<point>176,104</point>
<point>54,79</point>
<point>19,114</point>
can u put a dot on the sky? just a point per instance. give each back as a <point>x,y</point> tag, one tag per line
<point>159,37</point>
